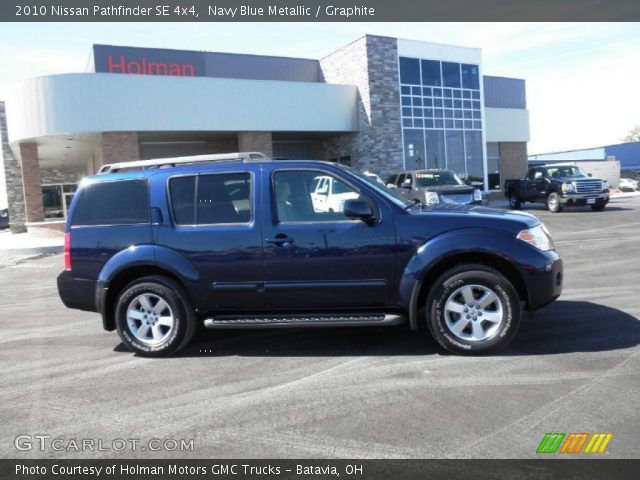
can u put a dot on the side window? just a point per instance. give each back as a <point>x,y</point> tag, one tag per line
<point>539,174</point>
<point>400,179</point>
<point>306,196</point>
<point>211,199</point>
<point>123,202</point>
<point>532,173</point>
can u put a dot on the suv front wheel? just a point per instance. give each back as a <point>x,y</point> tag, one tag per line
<point>473,309</point>
<point>154,317</point>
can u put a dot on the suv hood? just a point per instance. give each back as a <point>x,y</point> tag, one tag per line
<point>470,216</point>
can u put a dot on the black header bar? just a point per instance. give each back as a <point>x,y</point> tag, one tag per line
<point>317,10</point>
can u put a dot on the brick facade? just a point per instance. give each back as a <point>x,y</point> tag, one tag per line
<point>119,147</point>
<point>13,179</point>
<point>256,142</point>
<point>513,160</point>
<point>31,182</point>
<point>370,63</point>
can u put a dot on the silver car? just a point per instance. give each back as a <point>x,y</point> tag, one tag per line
<point>431,187</point>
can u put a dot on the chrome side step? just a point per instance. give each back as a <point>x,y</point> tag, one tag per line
<point>315,320</point>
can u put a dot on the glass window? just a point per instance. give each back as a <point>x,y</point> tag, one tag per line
<point>435,149</point>
<point>468,124</point>
<point>476,105</point>
<point>310,196</point>
<point>416,90</point>
<point>437,102</point>
<point>448,124</point>
<point>417,112</point>
<point>455,152</point>
<point>427,102</point>
<point>447,93</point>
<point>457,103</point>
<point>475,95</point>
<point>457,113</point>
<point>431,73</point>
<point>407,122</point>
<point>426,91</point>
<point>477,124</point>
<point>410,70</point>
<point>405,90</point>
<point>113,203</point>
<point>457,94</point>
<point>418,122</point>
<point>417,101</point>
<point>466,94</point>
<point>438,112</point>
<point>221,199</point>
<point>406,111</point>
<point>458,124</point>
<point>448,103</point>
<point>475,167</point>
<point>182,191</point>
<point>439,124</point>
<point>52,201</point>
<point>428,123</point>
<point>437,92</point>
<point>406,101</point>
<point>428,112</point>
<point>414,149</point>
<point>451,74</point>
<point>493,166</point>
<point>448,114</point>
<point>467,113</point>
<point>470,77</point>
<point>466,103</point>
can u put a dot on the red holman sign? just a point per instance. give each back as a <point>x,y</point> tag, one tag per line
<point>148,61</point>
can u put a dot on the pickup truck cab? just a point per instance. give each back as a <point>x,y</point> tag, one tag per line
<point>434,186</point>
<point>557,186</point>
<point>160,247</point>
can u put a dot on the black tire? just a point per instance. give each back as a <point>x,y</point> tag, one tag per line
<point>598,207</point>
<point>553,203</point>
<point>478,279</point>
<point>171,339</point>
<point>514,201</point>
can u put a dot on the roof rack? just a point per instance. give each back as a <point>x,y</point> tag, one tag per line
<point>176,161</point>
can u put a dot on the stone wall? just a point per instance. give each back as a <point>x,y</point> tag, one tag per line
<point>13,179</point>
<point>53,176</point>
<point>256,142</point>
<point>31,182</point>
<point>370,63</point>
<point>513,160</point>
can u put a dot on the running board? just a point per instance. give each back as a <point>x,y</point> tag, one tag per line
<point>326,320</point>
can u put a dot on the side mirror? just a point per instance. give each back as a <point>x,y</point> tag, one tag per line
<point>358,209</point>
<point>591,175</point>
<point>391,185</point>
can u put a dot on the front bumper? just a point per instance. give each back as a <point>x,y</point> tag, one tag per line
<point>544,281</point>
<point>585,198</point>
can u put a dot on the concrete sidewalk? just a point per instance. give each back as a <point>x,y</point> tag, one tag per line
<point>32,243</point>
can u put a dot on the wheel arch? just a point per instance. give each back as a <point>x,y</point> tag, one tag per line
<point>488,259</point>
<point>122,279</point>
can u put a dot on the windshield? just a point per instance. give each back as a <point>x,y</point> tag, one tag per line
<point>435,179</point>
<point>387,192</point>
<point>565,171</point>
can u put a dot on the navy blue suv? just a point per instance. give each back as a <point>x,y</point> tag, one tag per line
<point>161,247</point>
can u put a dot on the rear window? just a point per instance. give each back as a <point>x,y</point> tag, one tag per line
<point>113,203</point>
<point>211,199</point>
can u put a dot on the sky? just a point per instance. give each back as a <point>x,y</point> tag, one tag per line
<point>581,78</point>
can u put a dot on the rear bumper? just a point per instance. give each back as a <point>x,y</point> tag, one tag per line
<point>78,293</point>
<point>544,280</point>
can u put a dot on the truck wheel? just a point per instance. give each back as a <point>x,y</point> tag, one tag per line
<point>514,202</point>
<point>553,202</point>
<point>473,309</point>
<point>598,207</point>
<point>153,317</point>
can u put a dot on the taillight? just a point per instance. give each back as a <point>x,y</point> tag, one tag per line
<point>67,251</point>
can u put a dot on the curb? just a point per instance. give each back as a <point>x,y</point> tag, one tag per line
<point>35,250</point>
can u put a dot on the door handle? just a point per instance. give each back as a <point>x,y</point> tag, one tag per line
<point>280,240</point>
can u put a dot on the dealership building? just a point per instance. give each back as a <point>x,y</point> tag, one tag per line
<point>379,104</point>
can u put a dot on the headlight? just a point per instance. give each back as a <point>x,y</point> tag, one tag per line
<point>431,197</point>
<point>477,195</point>
<point>538,236</point>
<point>568,188</point>
<point>605,185</point>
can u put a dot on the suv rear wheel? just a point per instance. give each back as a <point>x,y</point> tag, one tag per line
<point>473,309</point>
<point>154,317</point>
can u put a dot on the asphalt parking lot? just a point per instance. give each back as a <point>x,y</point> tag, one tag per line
<point>353,393</point>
